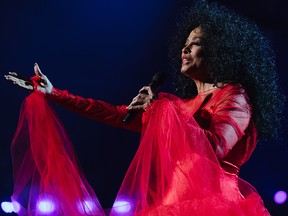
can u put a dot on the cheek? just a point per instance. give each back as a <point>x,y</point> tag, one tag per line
<point>199,57</point>
<point>199,61</point>
<point>198,52</point>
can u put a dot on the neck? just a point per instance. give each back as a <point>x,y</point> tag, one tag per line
<point>203,86</point>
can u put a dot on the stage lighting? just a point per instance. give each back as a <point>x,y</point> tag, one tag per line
<point>280,197</point>
<point>121,206</point>
<point>86,207</point>
<point>9,207</point>
<point>45,206</point>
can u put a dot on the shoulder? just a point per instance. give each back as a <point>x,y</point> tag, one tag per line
<point>233,89</point>
<point>232,94</point>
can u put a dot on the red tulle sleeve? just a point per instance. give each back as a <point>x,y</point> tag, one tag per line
<point>228,118</point>
<point>96,109</point>
<point>47,178</point>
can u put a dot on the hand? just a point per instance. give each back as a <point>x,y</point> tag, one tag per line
<point>43,83</point>
<point>143,100</point>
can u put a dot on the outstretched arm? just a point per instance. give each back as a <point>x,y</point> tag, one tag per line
<point>95,109</point>
<point>105,112</point>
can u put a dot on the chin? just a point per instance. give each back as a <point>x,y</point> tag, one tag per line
<point>185,71</point>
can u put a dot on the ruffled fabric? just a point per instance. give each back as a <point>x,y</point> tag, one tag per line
<point>175,171</point>
<point>47,179</point>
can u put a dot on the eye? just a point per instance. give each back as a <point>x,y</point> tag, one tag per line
<point>193,44</point>
<point>196,44</point>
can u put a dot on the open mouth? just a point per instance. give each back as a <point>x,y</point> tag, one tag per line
<point>185,61</point>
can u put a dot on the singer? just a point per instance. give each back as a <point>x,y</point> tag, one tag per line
<point>192,145</point>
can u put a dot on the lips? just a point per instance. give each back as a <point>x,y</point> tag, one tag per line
<point>185,60</point>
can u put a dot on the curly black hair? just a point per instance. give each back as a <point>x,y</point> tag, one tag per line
<point>236,51</point>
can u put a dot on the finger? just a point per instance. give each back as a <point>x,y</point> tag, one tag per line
<point>146,90</point>
<point>15,79</point>
<point>13,73</point>
<point>145,96</point>
<point>11,78</point>
<point>139,101</point>
<point>143,90</point>
<point>20,82</point>
<point>137,107</point>
<point>25,86</point>
<point>146,106</point>
<point>141,104</point>
<point>17,76</point>
<point>38,71</point>
<point>142,96</point>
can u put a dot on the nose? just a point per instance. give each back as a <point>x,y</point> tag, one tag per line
<point>186,50</point>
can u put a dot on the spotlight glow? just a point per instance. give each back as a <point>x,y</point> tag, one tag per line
<point>7,207</point>
<point>280,197</point>
<point>86,207</point>
<point>122,206</point>
<point>45,206</point>
<point>16,207</point>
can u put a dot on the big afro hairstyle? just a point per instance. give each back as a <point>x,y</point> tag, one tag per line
<point>235,51</point>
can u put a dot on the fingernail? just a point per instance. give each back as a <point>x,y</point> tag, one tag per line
<point>35,64</point>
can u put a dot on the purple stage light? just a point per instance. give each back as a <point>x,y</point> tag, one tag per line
<point>86,207</point>
<point>45,206</point>
<point>9,207</point>
<point>280,197</point>
<point>16,207</point>
<point>122,206</point>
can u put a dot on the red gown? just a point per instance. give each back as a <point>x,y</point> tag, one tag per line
<point>187,162</point>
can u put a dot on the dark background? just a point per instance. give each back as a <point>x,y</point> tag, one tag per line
<point>108,50</point>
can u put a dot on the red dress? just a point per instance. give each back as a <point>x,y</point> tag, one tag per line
<point>187,162</point>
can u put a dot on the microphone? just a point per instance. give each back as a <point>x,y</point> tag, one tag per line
<point>157,80</point>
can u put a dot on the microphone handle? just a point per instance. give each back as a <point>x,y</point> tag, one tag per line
<point>129,116</point>
<point>157,81</point>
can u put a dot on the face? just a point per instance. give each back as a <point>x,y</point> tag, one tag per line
<point>192,57</point>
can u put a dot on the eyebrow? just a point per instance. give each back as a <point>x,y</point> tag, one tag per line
<point>193,39</point>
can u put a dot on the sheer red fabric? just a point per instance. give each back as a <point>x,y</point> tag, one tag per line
<point>176,172</point>
<point>180,168</point>
<point>47,179</point>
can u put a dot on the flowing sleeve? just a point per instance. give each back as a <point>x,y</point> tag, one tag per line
<point>47,177</point>
<point>96,109</point>
<point>228,119</point>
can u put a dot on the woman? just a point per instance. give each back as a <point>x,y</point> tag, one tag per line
<point>192,147</point>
